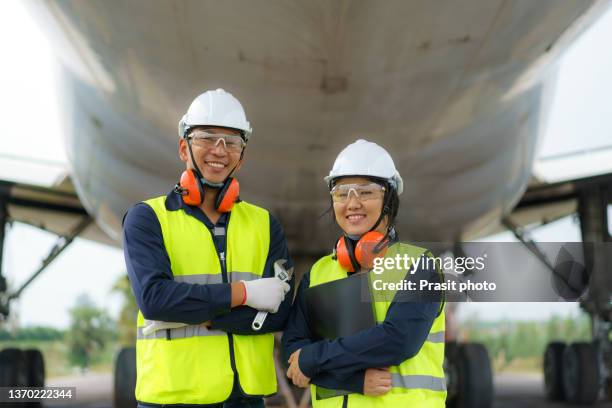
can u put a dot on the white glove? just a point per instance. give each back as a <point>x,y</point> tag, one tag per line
<point>154,325</point>
<point>265,294</point>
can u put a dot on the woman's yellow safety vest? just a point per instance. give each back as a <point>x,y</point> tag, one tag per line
<point>418,381</point>
<point>192,364</point>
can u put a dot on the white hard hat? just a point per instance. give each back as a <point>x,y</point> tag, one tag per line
<point>363,158</point>
<point>215,108</point>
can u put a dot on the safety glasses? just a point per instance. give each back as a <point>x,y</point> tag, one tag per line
<point>341,193</point>
<point>231,143</point>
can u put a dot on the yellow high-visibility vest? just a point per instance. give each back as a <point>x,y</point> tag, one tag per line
<point>418,381</point>
<point>192,364</point>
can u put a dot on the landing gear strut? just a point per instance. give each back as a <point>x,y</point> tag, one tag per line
<point>578,372</point>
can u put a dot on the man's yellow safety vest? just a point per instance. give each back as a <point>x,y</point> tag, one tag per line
<point>192,364</point>
<point>418,381</point>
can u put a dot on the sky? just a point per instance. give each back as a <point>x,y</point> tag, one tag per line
<point>28,95</point>
<point>581,118</point>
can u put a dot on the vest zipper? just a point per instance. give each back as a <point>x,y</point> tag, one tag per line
<point>222,259</point>
<point>345,401</point>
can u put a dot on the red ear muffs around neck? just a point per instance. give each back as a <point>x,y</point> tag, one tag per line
<point>192,190</point>
<point>369,247</point>
<point>345,253</point>
<point>228,195</point>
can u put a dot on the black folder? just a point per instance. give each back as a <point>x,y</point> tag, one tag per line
<point>340,308</point>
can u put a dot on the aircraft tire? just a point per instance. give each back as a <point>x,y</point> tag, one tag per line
<point>125,378</point>
<point>451,372</point>
<point>13,368</point>
<point>581,373</point>
<point>35,368</point>
<point>475,377</point>
<point>13,371</point>
<point>553,371</point>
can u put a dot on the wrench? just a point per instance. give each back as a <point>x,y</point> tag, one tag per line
<point>281,273</point>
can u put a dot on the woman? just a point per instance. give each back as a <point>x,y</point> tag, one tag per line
<point>398,361</point>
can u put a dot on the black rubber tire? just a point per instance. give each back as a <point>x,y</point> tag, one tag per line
<point>581,373</point>
<point>125,378</point>
<point>13,368</point>
<point>36,367</point>
<point>451,349</point>
<point>13,372</point>
<point>451,373</point>
<point>475,377</point>
<point>553,371</point>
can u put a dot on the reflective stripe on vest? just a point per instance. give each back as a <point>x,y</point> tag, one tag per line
<point>417,381</point>
<point>179,333</point>
<point>427,382</point>
<point>437,337</point>
<point>192,364</point>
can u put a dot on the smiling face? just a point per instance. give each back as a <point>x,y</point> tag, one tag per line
<point>216,162</point>
<point>357,216</point>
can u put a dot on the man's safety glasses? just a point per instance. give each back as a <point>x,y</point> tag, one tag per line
<point>232,143</point>
<point>363,192</point>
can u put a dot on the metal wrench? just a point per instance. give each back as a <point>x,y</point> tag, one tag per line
<point>281,273</point>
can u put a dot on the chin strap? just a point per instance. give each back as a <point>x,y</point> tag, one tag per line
<point>389,238</point>
<point>390,234</point>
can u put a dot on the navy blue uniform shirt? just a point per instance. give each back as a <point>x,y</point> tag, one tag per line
<point>340,364</point>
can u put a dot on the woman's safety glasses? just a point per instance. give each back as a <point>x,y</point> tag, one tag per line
<point>341,193</point>
<point>232,143</point>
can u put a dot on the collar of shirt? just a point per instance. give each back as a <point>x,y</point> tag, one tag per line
<point>175,202</point>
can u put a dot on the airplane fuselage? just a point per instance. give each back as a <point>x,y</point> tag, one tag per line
<point>456,92</point>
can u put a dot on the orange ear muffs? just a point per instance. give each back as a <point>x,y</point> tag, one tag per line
<point>345,253</point>
<point>369,247</point>
<point>193,193</point>
<point>191,189</point>
<point>228,195</point>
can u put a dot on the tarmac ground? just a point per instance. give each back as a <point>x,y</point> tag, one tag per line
<point>512,390</point>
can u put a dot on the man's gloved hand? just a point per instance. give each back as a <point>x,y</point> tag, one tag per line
<point>151,326</point>
<point>265,294</point>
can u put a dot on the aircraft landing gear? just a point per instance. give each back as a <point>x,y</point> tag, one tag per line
<point>22,368</point>
<point>572,372</point>
<point>577,372</point>
<point>468,375</point>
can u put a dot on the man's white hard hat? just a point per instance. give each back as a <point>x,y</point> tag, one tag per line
<point>363,158</point>
<point>215,108</point>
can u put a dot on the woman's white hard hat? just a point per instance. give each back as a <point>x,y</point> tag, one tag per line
<point>215,108</point>
<point>363,158</point>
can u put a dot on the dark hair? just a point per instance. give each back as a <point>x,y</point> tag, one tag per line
<point>393,204</point>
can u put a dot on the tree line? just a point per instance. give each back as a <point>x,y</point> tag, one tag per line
<point>508,341</point>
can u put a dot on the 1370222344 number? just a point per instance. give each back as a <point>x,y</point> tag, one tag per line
<point>39,393</point>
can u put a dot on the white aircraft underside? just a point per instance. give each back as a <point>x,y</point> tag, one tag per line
<point>456,91</point>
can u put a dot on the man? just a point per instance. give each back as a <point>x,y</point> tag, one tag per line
<point>203,261</point>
